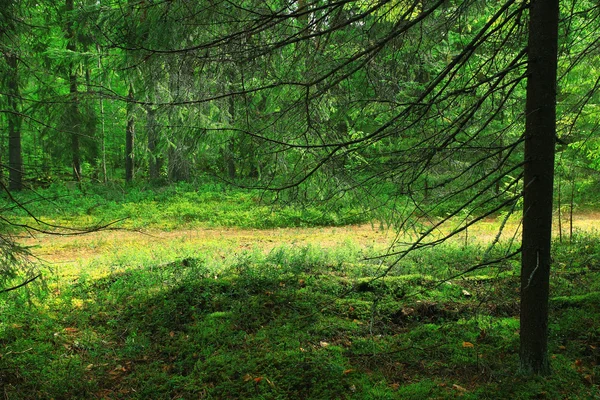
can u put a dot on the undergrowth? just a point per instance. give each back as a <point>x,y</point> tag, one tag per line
<point>300,323</point>
<point>170,207</point>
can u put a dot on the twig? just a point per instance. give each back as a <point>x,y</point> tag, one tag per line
<point>21,285</point>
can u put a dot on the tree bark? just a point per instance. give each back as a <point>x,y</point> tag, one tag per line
<point>75,125</point>
<point>15,160</point>
<point>129,140</point>
<point>540,136</point>
<point>102,124</point>
<point>153,157</point>
<point>74,118</point>
<point>230,159</point>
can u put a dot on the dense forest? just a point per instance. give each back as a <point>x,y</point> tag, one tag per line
<point>425,117</point>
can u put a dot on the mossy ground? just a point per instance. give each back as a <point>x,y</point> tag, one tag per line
<point>290,314</point>
<point>298,323</point>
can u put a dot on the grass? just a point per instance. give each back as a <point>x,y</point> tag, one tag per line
<point>196,307</point>
<point>171,207</point>
<point>296,322</point>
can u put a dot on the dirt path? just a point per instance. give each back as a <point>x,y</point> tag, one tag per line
<point>77,249</point>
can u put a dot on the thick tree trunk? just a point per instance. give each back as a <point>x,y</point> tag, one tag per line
<point>15,160</point>
<point>129,140</point>
<point>540,133</point>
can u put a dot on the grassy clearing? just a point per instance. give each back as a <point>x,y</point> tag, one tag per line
<point>188,306</point>
<point>296,322</point>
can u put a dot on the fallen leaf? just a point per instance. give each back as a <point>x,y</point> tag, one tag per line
<point>468,344</point>
<point>347,371</point>
<point>323,344</point>
<point>258,379</point>
<point>247,378</point>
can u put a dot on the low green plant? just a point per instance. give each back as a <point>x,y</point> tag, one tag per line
<point>294,323</point>
<point>175,206</point>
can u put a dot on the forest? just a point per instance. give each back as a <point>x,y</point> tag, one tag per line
<point>299,199</point>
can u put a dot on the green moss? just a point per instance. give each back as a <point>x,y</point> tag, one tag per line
<point>288,325</point>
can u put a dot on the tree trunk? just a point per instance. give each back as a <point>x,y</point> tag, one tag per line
<point>178,170</point>
<point>74,125</point>
<point>129,139</point>
<point>230,159</point>
<point>540,131</point>
<point>229,151</point>
<point>153,158</point>
<point>103,135</point>
<point>15,160</point>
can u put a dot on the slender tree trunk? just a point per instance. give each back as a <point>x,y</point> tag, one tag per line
<point>559,200</point>
<point>103,141</point>
<point>230,159</point>
<point>102,124</point>
<point>75,126</point>
<point>230,147</point>
<point>15,160</point>
<point>571,207</point>
<point>129,139</point>
<point>74,119</point>
<point>540,139</point>
<point>153,158</point>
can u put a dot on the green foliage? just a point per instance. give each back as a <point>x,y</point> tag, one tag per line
<point>296,323</point>
<point>174,206</point>
<point>364,109</point>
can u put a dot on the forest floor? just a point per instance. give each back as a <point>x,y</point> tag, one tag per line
<point>294,313</point>
<point>77,249</point>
